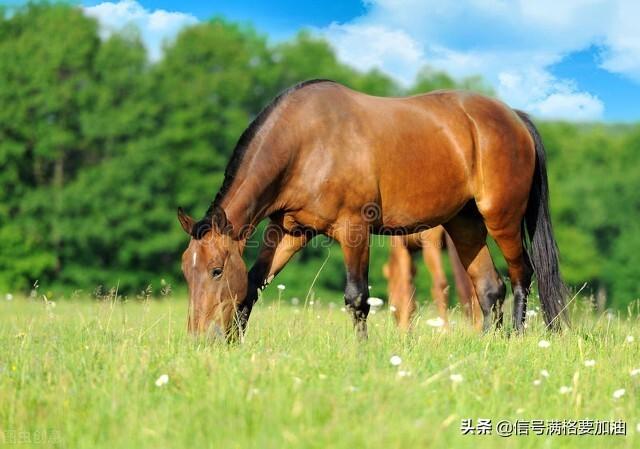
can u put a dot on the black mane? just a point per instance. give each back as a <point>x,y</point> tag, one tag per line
<point>203,226</point>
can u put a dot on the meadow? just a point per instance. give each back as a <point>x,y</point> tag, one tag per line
<point>85,373</point>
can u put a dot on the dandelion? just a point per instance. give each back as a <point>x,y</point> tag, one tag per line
<point>370,287</point>
<point>375,302</point>
<point>162,380</point>
<point>295,301</point>
<point>281,287</point>
<point>537,383</point>
<point>544,344</point>
<point>435,322</point>
<point>544,373</point>
<point>456,378</point>
<point>589,363</point>
<point>634,372</point>
<point>629,339</point>
<point>619,393</point>
<point>564,389</point>
<point>9,297</point>
<point>395,360</point>
<point>531,313</point>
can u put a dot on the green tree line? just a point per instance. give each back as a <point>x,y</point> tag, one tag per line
<point>98,146</point>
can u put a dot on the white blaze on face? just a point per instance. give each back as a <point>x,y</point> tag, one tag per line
<point>195,258</point>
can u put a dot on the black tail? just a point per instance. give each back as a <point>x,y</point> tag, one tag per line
<point>539,240</point>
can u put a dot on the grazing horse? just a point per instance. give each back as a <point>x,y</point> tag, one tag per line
<point>322,158</point>
<point>400,272</point>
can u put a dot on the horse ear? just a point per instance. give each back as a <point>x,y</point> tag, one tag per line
<point>186,221</point>
<point>219,220</point>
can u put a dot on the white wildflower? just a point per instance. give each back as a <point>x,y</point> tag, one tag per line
<point>544,373</point>
<point>375,302</point>
<point>456,378</point>
<point>564,389</point>
<point>9,297</point>
<point>403,373</point>
<point>295,301</point>
<point>537,383</point>
<point>619,393</point>
<point>162,380</point>
<point>634,372</point>
<point>435,322</point>
<point>544,344</point>
<point>531,312</point>
<point>281,287</point>
<point>589,363</point>
<point>629,339</point>
<point>392,308</point>
<point>395,360</point>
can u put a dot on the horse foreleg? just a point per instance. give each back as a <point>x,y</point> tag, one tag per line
<point>355,247</point>
<point>277,248</point>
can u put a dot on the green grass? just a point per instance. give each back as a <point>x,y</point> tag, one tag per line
<point>82,374</point>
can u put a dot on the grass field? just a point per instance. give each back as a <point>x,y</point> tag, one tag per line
<point>83,374</point>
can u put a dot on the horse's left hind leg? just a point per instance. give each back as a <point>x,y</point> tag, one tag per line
<point>509,239</point>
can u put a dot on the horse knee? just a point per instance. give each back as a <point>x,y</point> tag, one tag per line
<point>356,299</point>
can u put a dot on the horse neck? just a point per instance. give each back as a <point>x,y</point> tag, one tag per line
<point>254,189</point>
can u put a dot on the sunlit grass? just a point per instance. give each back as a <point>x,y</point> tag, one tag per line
<point>88,374</point>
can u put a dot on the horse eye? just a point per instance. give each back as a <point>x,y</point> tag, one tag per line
<point>216,272</point>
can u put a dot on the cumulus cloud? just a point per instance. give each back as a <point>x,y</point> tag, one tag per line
<point>156,27</point>
<point>512,44</point>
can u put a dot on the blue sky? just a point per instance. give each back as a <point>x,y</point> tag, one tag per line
<point>569,59</point>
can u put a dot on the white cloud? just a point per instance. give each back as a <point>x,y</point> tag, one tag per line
<point>156,27</point>
<point>512,44</point>
<point>392,50</point>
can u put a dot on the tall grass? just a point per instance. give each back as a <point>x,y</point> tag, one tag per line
<point>83,374</point>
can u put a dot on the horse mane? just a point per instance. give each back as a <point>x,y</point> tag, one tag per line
<point>204,225</point>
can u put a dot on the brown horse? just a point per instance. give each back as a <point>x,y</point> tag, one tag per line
<point>400,272</point>
<point>322,158</point>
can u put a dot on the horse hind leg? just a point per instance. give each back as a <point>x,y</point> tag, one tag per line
<point>432,253</point>
<point>469,234</point>
<point>399,272</point>
<point>509,240</point>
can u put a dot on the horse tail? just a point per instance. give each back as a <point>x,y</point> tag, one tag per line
<point>538,238</point>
